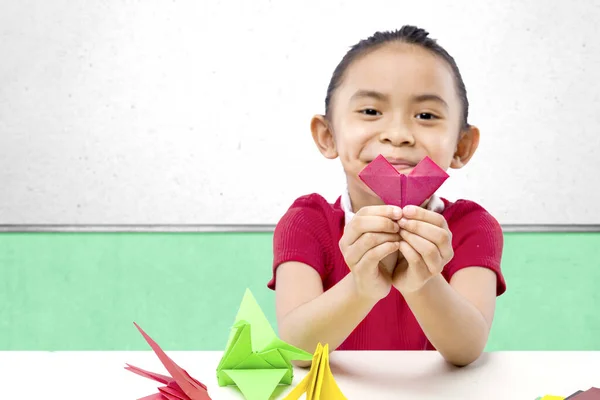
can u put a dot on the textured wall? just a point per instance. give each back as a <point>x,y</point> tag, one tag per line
<point>176,112</point>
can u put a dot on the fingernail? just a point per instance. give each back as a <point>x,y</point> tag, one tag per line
<point>402,222</point>
<point>408,210</point>
<point>397,212</point>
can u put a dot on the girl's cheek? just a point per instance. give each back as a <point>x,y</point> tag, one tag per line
<point>442,158</point>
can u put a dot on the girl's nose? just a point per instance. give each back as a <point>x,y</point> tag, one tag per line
<point>398,136</point>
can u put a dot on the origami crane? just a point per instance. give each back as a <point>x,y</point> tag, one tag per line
<point>255,359</point>
<point>181,386</point>
<point>398,189</point>
<point>318,384</point>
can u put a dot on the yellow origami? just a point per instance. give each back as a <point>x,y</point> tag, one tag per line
<point>318,384</point>
<point>550,397</point>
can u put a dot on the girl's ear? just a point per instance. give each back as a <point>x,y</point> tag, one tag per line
<point>323,136</point>
<point>466,146</point>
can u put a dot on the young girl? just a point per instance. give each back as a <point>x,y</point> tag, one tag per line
<point>361,275</point>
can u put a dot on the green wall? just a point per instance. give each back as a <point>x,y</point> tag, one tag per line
<point>82,291</point>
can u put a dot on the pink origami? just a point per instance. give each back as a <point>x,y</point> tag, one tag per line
<point>592,393</point>
<point>181,386</point>
<point>401,190</point>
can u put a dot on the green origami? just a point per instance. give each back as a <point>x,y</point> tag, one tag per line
<point>255,359</point>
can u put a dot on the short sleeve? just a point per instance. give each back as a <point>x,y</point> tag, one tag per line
<point>478,241</point>
<point>300,235</point>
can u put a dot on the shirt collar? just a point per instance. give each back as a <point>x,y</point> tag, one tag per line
<point>435,204</point>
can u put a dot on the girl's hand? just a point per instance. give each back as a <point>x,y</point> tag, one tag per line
<point>370,237</point>
<point>426,247</point>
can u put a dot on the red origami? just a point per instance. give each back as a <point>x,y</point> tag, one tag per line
<point>181,386</point>
<point>401,190</point>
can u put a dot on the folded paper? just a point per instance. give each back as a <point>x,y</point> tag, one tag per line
<point>179,386</point>
<point>397,189</point>
<point>592,393</point>
<point>572,396</point>
<point>255,359</point>
<point>319,383</point>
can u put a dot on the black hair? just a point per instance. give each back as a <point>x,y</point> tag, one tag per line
<point>407,34</point>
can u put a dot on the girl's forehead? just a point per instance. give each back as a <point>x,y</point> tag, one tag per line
<point>399,66</point>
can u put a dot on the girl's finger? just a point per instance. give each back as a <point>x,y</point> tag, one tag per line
<point>361,225</point>
<point>366,242</point>
<point>428,252</point>
<point>422,214</point>
<point>439,236</point>
<point>369,263</point>
<point>387,211</point>
<point>415,261</point>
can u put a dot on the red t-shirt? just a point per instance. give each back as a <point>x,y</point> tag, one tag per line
<point>310,230</point>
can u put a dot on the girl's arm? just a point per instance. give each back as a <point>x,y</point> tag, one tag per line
<point>309,316</point>
<point>457,316</point>
<point>306,315</point>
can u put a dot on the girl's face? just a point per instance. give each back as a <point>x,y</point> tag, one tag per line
<point>400,101</point>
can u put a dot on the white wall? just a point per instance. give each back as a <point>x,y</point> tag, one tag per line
<point>197,112</point>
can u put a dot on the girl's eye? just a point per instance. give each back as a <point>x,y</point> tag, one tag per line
<point>427,116</point>
<point>370,112</point>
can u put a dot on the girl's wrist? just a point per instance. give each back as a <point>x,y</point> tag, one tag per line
<point>424,289</point>
<point>361,297</point>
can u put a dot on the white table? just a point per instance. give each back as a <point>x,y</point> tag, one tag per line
<point>360,375</point>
